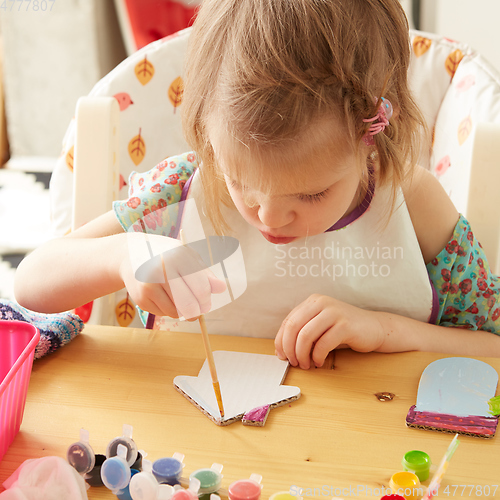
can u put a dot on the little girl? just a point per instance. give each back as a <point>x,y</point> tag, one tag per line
<point>305,139</point>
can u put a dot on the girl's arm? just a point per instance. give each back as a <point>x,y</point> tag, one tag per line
<point>95,260</point>
<point>406,334</point>
<point>322,323</point>
<point>67,272</point>
<point>432,213</point>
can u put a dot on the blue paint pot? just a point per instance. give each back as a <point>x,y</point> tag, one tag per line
<point>168,470</point>
<point>124,494</point>
<point>115,471</point>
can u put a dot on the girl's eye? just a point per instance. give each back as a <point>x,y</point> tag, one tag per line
<point>313,197</point>
<point>235,185</point>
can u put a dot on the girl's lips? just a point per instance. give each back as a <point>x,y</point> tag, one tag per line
<point>278,240</point>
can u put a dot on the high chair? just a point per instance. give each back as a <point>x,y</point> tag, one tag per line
<point>131,121</point>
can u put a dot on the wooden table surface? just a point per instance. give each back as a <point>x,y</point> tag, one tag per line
<point>338,439</point>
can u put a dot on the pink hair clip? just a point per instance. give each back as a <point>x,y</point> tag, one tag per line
<point>378,122</point>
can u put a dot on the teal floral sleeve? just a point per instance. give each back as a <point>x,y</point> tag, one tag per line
<point>152,191</point>
<point>468,292</point>
<point>149,194</point>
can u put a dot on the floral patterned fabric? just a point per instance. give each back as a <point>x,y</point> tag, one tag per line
<point>468,292</point>
<point>149,195</point>
<point>152,191</point>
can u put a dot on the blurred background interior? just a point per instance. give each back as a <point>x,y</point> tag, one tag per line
<point>54,51</point>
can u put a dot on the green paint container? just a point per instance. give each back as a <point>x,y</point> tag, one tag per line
<point>417,462</point>
<point>210,480</point>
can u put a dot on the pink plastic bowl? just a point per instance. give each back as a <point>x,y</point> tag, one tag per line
<point>17,348</point>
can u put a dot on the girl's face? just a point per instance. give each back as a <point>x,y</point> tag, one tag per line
<point>299,189</point>
<point>320,197</point>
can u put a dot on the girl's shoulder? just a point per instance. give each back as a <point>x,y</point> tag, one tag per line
<point>170,171</point>
<point>433,214</point>
<point>154,195</point>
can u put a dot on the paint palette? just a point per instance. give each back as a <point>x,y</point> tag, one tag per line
<point>453,396</point>
<point>249,384</point>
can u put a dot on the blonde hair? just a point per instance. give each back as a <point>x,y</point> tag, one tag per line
<point>266,70</point>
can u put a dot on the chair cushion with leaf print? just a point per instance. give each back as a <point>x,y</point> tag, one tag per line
<point>148,88</point>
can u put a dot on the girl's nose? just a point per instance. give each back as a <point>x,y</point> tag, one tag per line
<point>274,213</point>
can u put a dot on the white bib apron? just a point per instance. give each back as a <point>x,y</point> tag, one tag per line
<point>372,263</point>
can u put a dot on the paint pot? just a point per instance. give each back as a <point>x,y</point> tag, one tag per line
<point>81,457</point>
<point>190,494</point>
<point>184,495</point>
<point>284,495</point>
<point>246,489</point>
<point>144,486</point>
<point>137,465</point>
<point>168,470</point>
<point>417,462</point>
<point>407,485</point>
<point>115,471</point>
<point>125,440</point>
<point>93,477</point>
<point>124,494</point>
<point>210,480</point>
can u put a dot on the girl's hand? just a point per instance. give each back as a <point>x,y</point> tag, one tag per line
<point>174,282</point>
<point>321,324</point>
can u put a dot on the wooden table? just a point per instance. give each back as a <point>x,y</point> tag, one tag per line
<point>338,439</point>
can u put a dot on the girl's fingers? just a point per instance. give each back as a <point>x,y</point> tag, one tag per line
<point>278,348</point>
<point>189,283</point>
<point>330,339</point>
<point>159,306</point>
<point>186,287</point>
<point>285,337</point>
<point>200,286</point>
<point>293,326</point>
<point>200,291</point>
<point>312,334</point>
<point>185,302</point>
<point>290,331</point>
<point>217,285</point>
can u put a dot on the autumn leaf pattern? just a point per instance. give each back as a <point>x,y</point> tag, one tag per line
<point>452,62</point>
<point>144,71</point>
<point>70,156</point>
<point>464,129</point>
<point>175,92</point>
<point>137,148</point>
<point>125,311</point>
<point>421,45</point>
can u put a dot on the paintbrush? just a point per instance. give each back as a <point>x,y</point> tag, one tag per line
<point>438,475</point>
<point>206,345</point>
<point>211,364</point>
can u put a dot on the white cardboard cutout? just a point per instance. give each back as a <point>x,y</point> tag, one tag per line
<point>246,382</point>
